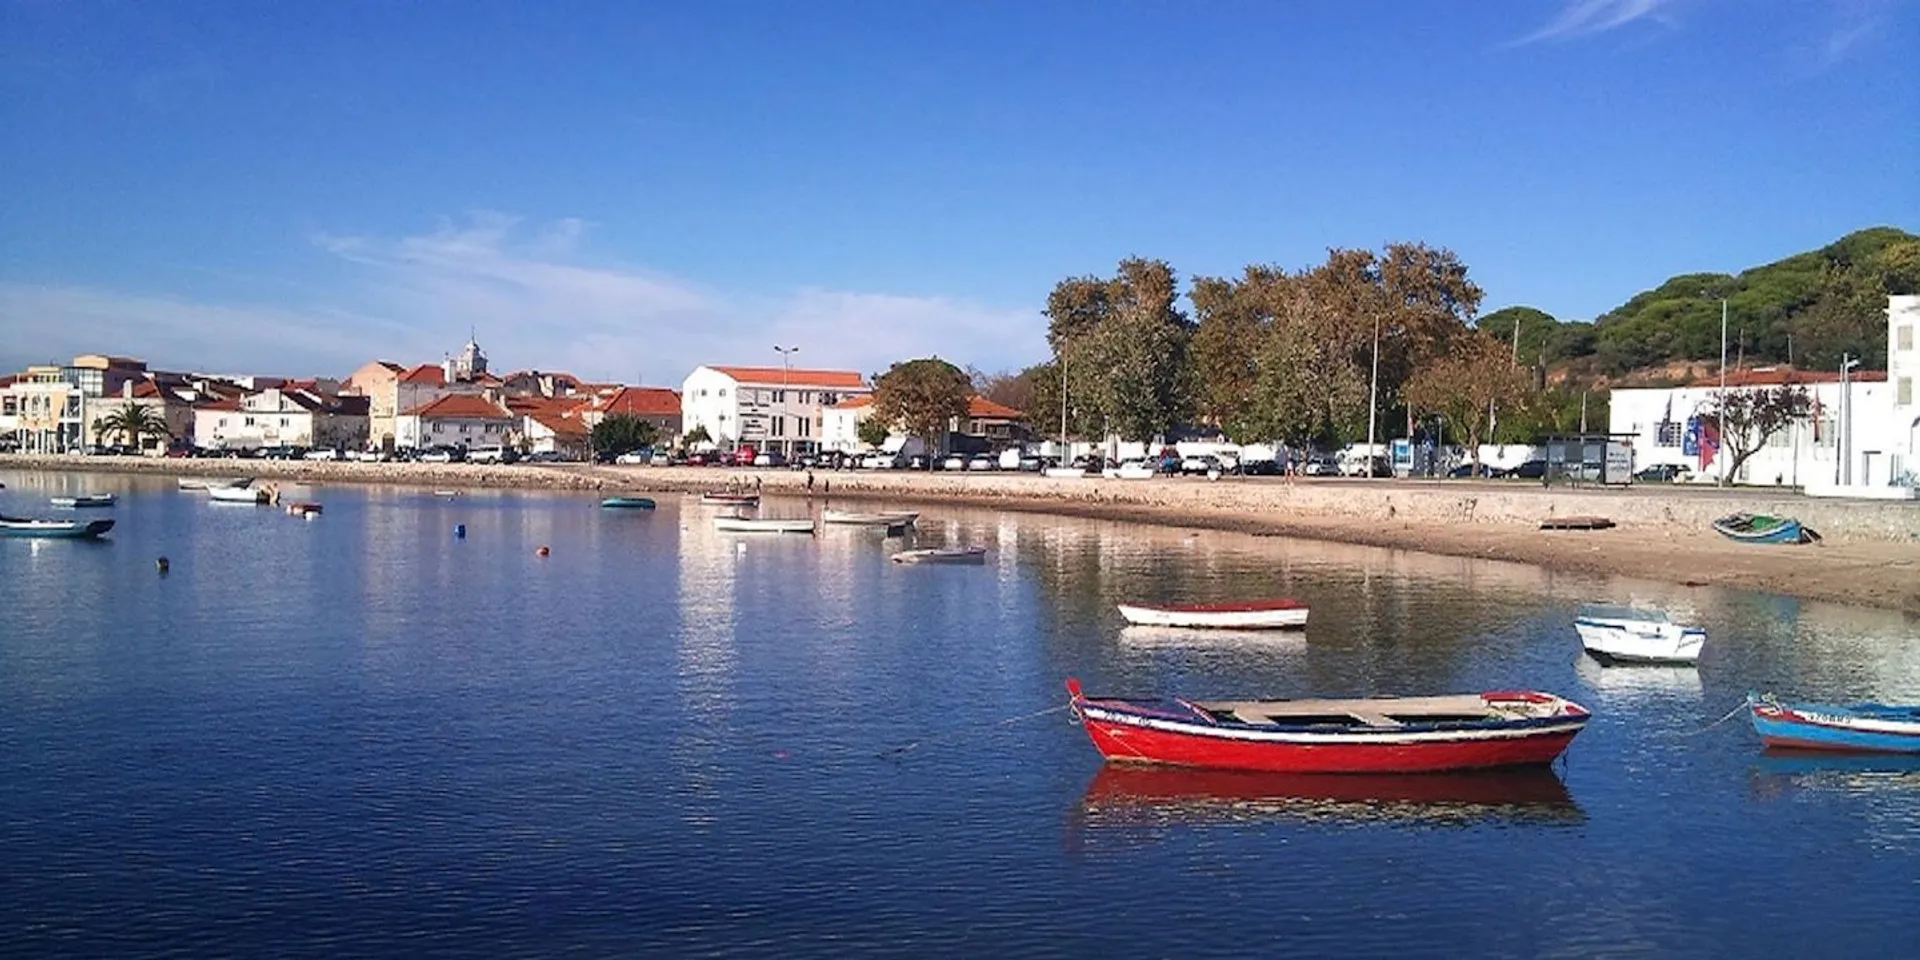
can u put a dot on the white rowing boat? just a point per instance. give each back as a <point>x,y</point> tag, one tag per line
<point>943,555</point>
<point>1636,635</point>
<point>762,525</point>
<point>1247,615</point>
<point>852,518</point>
<point>237,495</point>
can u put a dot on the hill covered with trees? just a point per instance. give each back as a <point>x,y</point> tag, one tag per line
<point>1805,310</point>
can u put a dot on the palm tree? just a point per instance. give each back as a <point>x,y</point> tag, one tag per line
<point>133,421</point>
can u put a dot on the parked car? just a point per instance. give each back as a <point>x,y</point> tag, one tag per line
<point>1664,473</point>
<point>1260,468</point>
<point>1531,470</point>
<point>1375,466</point>
<point>954,462</point>
<point>879,461</point>
<point>744,456</point>
<point>771,458</point>
<point>1484,470</point>
<point>442,455</point>
<point>1201,463</point>
<point>983,461</point>
<point>1033,464</point>
<point>492,453</point>
<point>324,453</point>
<point>640,457</point>
<point>1320,465</point>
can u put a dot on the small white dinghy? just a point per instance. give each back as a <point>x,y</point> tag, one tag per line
<point>1248,615</point>
<point>762,525</point>
<point>852,518</point>
<point>1636,635</point>
<point>943,555</point>
<point>206,483</point>
<point>253,495</point>
<point>83,500</point>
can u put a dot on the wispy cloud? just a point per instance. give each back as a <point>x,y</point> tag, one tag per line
<point>1857,22</point>
<point>1580,18</point>
<point>533,299</point>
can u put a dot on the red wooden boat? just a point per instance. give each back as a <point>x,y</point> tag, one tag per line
<point>1377,735</point>
<point>1244,615</point>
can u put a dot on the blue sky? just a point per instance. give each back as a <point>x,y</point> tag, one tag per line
<point>625,190</point>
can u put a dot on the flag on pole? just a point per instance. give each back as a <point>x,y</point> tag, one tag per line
<point>1709,442</point>
<point>1816,416</point>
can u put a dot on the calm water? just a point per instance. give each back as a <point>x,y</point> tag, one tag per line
<point>361,736</point>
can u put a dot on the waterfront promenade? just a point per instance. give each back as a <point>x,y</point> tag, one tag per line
<point>1870,553</point>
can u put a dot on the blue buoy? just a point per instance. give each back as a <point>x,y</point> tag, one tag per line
<point>459,531</point>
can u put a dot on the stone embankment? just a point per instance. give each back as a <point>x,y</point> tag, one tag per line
<point>1870,551</point>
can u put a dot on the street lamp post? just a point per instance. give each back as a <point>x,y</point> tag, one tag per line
<point>1843,442</point>
<point>1721,451</point>
<point>1373,394</point>
<point>786,374</point>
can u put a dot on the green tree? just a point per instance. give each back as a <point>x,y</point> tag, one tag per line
<point>622,433</point>
<point>1475,375</point>
<point>129,422</point>
<point>1751,416</point>
<point>697,435</point>
<point>873,432</point>
<point>922,396</point>
<point>1124,344</point>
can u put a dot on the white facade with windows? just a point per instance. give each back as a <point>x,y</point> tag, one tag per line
<point>767,408</point>
<point>1859,438</point>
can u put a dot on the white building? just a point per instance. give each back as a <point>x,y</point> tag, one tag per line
<point>455,420</point>
<point>771,408</point>
<point>1860,437</point>
<point>999,426</point>
<point>276,417</point>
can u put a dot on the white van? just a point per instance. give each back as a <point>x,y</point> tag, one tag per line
<point>488,454</point>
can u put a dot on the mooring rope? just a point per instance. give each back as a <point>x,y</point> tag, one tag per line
<point>1738,708</point>
<point>914,744</point>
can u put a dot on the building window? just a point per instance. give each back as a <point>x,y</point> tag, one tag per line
<point>1823,431</point>
<point>723,391</point>
<point>250,419</point>
<point>829,399</point>
<point>1669,435</point>
<point>283,420</point>
<point>1903,392</point>
<point>780,425</point>
<point>800,424</point>
<point>223,420</point>
<point>780,396</point>
<point>1903,337</point>
<point>467,427</point>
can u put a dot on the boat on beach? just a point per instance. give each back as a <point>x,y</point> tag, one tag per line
<point>1371,735</point>
<point>762,525</point>
<point>254,495</point>
<point>853,518</point>
<point>53,529</point>
<point>627,503</point>
<point>718,498</point>
<point>1851,728</point>
<point>83,500</point>
<point>1636,635</point>
<point>1246,615</point>
<point>1762,528</point>
<point>943,555</point>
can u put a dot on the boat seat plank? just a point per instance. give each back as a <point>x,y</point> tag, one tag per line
<point>1408,707</point>
<point>1375,719</point>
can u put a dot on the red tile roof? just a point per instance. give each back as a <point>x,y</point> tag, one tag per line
<point>775,376</point>
<point>980,408</point>
<point>854,403</point>
<point>425,373</point>
<point>1781,376</point>
<point>561,424</point>
<point>641,402</point>
<point>146,391</point>
<point>460,406</point>
<point>222,405</point>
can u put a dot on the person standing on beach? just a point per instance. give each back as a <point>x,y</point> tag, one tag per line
<point>809,481</point>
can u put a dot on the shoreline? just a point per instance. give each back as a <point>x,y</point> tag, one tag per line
<point>1870,554</point>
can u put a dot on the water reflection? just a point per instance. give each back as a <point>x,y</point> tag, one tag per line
<point>1777,774</point>
<point>1123,795</point>
<point>1272,641</point>
<point>1622,684</point>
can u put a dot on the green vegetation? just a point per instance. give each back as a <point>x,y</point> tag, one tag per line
<point>872,431</point>
<point>622,433</point>
<point>1806,310</point>
<point>130,422</point>
<point>922,396</point>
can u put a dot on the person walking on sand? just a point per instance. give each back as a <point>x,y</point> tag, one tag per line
<point>809,481</point>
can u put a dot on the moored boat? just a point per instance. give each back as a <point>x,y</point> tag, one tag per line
<point>238,494</point>
<point>627,503</point>
<point>1762,528</point>
<point>307,509</point>
<point>853,518</point>
<point>943,555</point>
<point>1636,635</point>
<point>762,525</point>
<point>1853,728</point>
<point>83,500</point>
<point>1373,735</point>
<point>53,529</point>
<point>203,483</point>
<point>1246,615</point>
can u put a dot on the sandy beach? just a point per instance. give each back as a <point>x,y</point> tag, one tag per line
<point>1869,554</point>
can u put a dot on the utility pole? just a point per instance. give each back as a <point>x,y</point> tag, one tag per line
<point>1843,468</point>
<point>1373,393</point>
<point>786,374</point>
<point>1720,449</point>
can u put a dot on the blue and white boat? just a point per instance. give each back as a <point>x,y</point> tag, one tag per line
<point>1762,528</point>
<point>627,503</point>
<point>1852,728</point>
<point>81,500</point>
<point>1636,635</point>
<point>53,529</point>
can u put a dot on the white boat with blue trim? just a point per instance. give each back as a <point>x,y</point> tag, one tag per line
<point>1636,635</point>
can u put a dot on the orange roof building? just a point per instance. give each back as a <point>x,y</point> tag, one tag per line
<point>781,409</point>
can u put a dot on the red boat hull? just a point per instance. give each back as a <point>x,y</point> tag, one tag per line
<point>1125,743</point>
